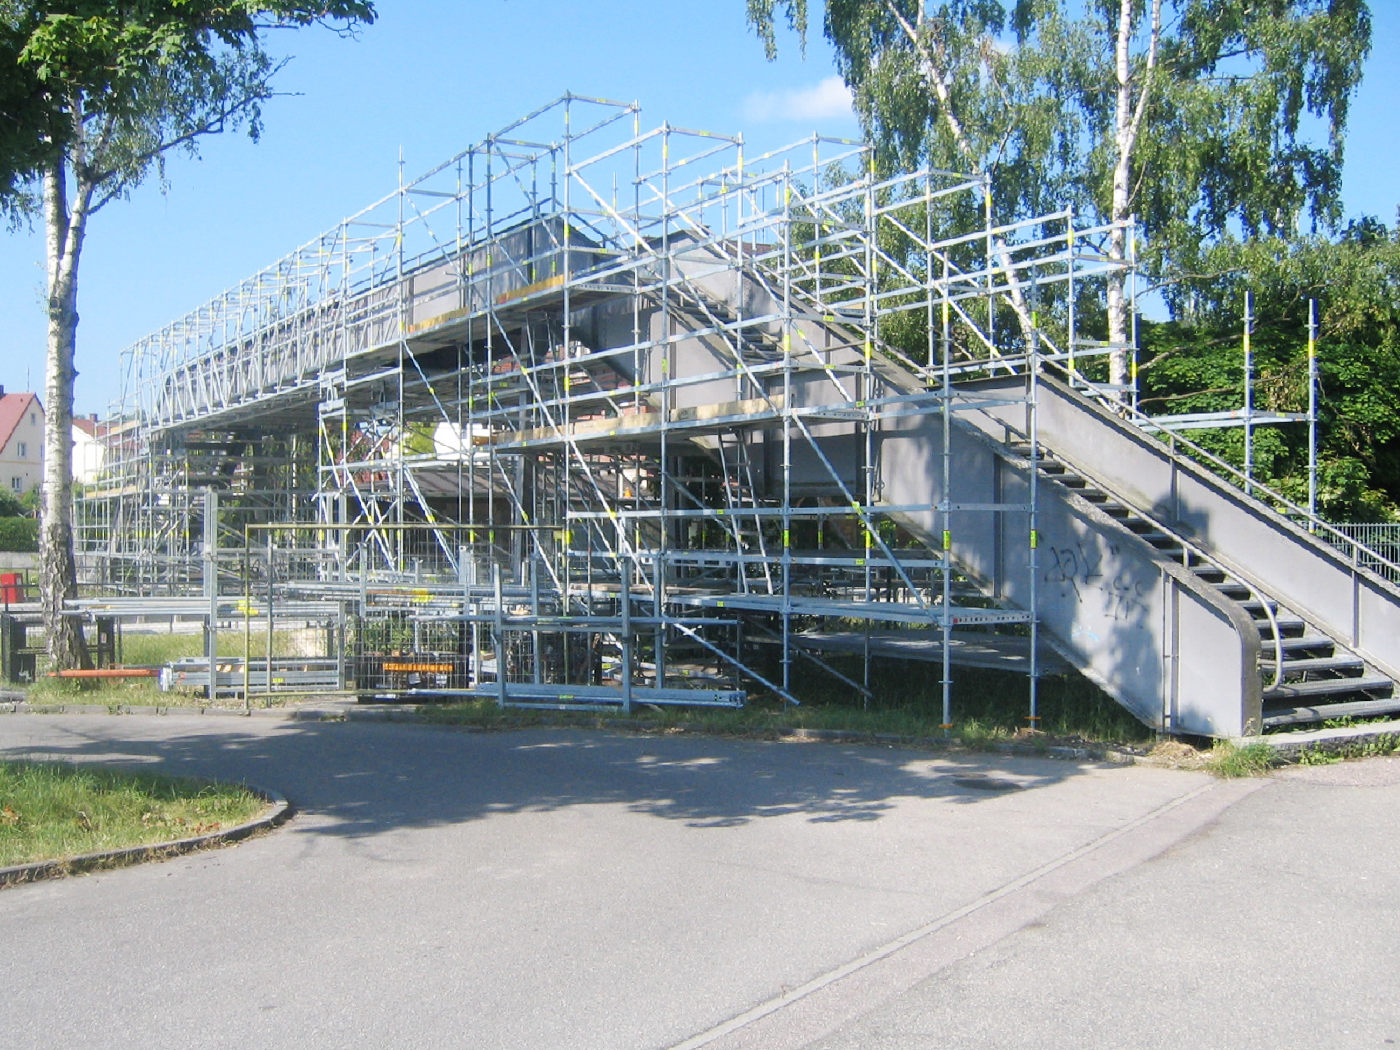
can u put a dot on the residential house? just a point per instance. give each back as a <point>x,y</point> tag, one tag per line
<point>21,442</point>
<point>89,448</point>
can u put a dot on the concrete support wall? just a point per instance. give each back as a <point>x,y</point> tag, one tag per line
<point>1155,637</point>
<point>1300,570</point>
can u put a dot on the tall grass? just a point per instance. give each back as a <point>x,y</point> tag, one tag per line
<point>906,701</point>
<point>985,701</point>
<point>152,649</point>
<point>1230,760</point>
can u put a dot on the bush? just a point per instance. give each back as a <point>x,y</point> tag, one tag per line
<point>19,534</point>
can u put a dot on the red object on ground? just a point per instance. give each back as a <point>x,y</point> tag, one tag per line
<point>11,588</point>
<point>109,672</point>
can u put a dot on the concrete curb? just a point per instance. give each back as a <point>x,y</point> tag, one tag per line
<point>410,713</point>
<point>1290,745</point>
<point>280,812</point>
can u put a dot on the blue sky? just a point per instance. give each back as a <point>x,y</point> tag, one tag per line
<point>432,77</point>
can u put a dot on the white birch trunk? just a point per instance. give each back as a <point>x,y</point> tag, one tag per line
<point>1128,116</point>
<point>65,226</point>
<point>936,77</point>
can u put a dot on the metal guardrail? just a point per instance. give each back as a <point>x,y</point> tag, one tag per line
<point>1360,547</point>
<point>288,674</point>
<point>1371,545</point>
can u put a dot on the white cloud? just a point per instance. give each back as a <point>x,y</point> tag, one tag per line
<point>825,101</point>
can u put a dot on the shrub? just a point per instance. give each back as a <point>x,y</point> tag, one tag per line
<point>19,534</point>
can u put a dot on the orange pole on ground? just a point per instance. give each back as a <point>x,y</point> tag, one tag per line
<point>108,672</point>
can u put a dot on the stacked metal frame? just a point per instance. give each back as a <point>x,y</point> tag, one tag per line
<point>660,379</point>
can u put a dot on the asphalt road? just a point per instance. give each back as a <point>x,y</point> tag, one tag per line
<point>553,888</point>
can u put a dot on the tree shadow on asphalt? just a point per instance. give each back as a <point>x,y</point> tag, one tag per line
<point>366,779</point>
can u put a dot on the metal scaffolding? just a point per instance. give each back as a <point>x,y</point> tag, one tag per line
<point>635,394</point>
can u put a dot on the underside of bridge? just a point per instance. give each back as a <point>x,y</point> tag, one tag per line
<point>599,414</point>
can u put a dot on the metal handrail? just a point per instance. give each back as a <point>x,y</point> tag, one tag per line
<point>1278,638</point>
<point>1188,547</point>
<point>1143,421</point>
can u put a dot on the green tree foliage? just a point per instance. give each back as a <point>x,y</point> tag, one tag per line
<point>1197,116</point>
<point>108,88</point>
<point>1196,365</point>
<point>97,93</point>
<point>19,534</point>
<point>11,506</point>
<point>19,529</point>
<point>1028,91</point>
<point>1220,125</point>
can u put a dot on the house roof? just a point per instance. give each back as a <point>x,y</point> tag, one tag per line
<point>91,427</point>
<point>12,410</point>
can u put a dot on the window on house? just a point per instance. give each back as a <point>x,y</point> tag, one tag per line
<point>23,450</point>
<point>17,484</point>
<point>34,419</point>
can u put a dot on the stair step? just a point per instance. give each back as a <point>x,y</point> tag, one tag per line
<point>1322,712</point>
<point>1162,541</point>
<point>1307,641</point>
<point>1318,663</point>
<point>1286,624</point>
<point>1329,687</point>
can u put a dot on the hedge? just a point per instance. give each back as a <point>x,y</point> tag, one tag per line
<point>19,534</point>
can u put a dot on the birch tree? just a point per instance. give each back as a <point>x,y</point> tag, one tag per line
<point>97,95</point>
<point>1205,119</point>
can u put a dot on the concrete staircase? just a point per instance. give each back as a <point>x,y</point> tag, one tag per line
<point>1307,675</point>
<point>1317,637</point>
<point>1199,607</point>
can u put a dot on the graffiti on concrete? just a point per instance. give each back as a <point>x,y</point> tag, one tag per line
<point>1077,571</point>
<point>1074,569</point>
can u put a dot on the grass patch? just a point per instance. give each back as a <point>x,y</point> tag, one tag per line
<point>760,719</point>
<point>1340,750</point>
<point>50,811</point>
<point>989,707</point>
<point>1230,760</point>
<point>155,648</point>
<point>1316,756</point>
<point>114,693</point>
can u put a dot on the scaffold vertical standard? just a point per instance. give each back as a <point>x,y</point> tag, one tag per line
<point>595,413</point>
